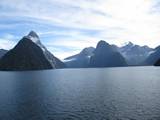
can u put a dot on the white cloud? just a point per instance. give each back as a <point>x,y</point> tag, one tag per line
<point>7,41</point>
<point>6,44</point>
<point>117,21</point>
<point>61,53</point>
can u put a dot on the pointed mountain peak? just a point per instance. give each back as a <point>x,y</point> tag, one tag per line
<point>33,34</point>
<point>128,44</point>
<point>34,37</point>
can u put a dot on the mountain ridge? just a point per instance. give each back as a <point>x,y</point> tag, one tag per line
<point>104,55</point>
<point>134,54</point>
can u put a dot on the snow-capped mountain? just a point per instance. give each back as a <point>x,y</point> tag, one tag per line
<point>135,54</point>
<point>35,38</point>
<point>29,54</point>
<point>55,62</point>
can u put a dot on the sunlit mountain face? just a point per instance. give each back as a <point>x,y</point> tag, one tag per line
<point>67,26</point>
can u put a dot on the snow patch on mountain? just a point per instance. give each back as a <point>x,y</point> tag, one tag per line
<point>35,38</point>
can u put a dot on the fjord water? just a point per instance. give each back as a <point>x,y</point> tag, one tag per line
<point>128,93</point>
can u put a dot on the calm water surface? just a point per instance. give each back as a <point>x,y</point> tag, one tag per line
<point>131,93</point>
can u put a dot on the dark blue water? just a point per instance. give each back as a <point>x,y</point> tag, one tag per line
<point>131,93</point>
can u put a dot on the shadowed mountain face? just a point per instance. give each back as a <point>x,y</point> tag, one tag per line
<point>80,60</point>
<point>154,57</point>
<point>106,55</point>
<point>3,52</point>
<point>157,63</point>
<point>29,54</point>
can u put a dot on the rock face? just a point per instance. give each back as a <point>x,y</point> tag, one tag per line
<point>29,54</point>
<point>154,57</point>
<point>135,54</point>
<point>106,55</point>
<point>80,60</point>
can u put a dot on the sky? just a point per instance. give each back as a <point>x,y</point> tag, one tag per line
<point>66,27</point>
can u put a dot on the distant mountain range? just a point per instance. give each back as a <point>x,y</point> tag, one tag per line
<point>31,54</point>
<point>134,55</point>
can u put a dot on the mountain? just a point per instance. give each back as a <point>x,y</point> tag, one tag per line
<point>157,63</point>
<point>29,54</point>
<point>54,61</point>
<point>80,60</point>
<point>106,55</point>
<point>135,54</point>
<point>153,57</point>
<point>3,52</point>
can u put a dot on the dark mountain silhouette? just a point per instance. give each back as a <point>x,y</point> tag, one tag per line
<point>80,60</point>
<point>29,54</point>
<point>3,52</point>
<point>157,63</point>
<point>135,54</point>
<point>106,55</point>
<point>154,57</point>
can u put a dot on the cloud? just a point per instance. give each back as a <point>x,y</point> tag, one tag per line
<point>62,53</point>
<point>81,23</point>
<point>6,44</point>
